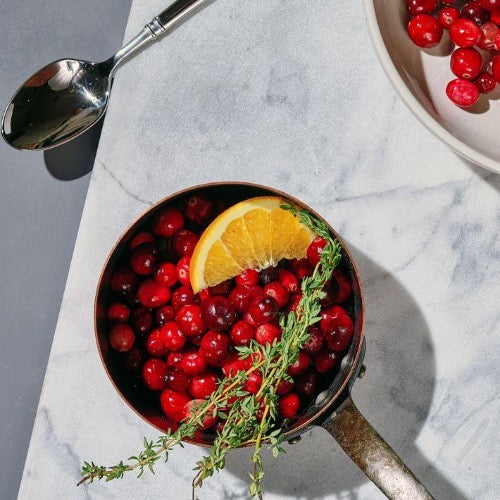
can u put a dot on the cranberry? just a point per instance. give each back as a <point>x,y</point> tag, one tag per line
<point>300,366</point>
<point>166,274</point>
<point>314,250</point>
<point>164,314</point>
<point>121,337</point>
<point>247,318</point>
<point>307,384</point>
<point>242,333</point>
<point>421,6</point>
<point>118,312</point>
<point>331,290</point>
<point>284,386</point>
<point>241,296</point>
<point>172,404</point>
<point>218,312</point>
<point>182,296</point>
<point>154,344</point>
<point>199,210</point>
<point>253,382</point>
<point>486,83</point>
<point>174,359</point>
<point>123,281</point>
<point>340,336</point>
<point>234,365</point>
<point>191,409</point>
<point>474,11</point>
<point>167,222</point>
<point>466,63</point>
<point>194,364</point>
<point>154,372</point>
<point>490,32</point>
<point>425,30</point>
<point>141,320</point>
<point>462,92</point>
<point>172,337</point>
<point>315,341</point>
<point>495,67</point>
<point>289,405</point>
<point>289,281</point>
<point>465,33</point>
<point>267,334</point>
<point>301,268</point>
<point>183,270</point>
<point>263,309</point>
<point>449,2</point>
<point>267,275</point>
<point>189,320</point>
<point>152,294</point>
<point>448,16</point>
<point>490,4</point>
<point>143,259</point>
<point>325,361</point>
<point>278,292</point>
<point>250,277</point>
<point>295,301</point>
<point>201,386</point>
<point>215,347</point>
<point>495,17</point>
<point>344,286</point>
<point>140,238</point>
<point>132,360</point>
<point>177,380</point>
<point>222,288</point>
<point>184,242</point>
<point>330,316</point>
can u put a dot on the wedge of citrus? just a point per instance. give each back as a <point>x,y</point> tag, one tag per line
<point>253,234</point>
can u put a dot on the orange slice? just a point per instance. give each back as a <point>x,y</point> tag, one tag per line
<point>253,234</point>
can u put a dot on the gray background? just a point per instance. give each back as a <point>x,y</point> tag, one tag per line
<point>41,199</point>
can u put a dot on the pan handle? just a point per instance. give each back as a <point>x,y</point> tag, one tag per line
<point>372,454</point>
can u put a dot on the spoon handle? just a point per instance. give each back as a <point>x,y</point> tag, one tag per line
<point>177,11</point>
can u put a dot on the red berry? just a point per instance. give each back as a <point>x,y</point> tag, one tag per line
<point>315,342</point>
<point>289,405</point>
<point>184,242</point>
<point>172,404</point>
<point>495,16</point>
<point>192,408</point>
<point>314,250</point>
<point>473,10</point>
<point>143,259</point>
<point>490,4</point>
<point>486,83</point>
<point>154,372</point>
<point>152,294</point>
<point>223,288</point>
<point>118,312</point>
<point>215,347</point>
<point>307,384</point>
<point>247,318</point>
<point>495,67</point>
<point>241,296</point>
<point>425,30</point>
<point>140,238</point>
<point>300,366</point>
<point>182,296</point>
<point>154,344</point>
<point>301,268</point>
<point>340,336</point>
<point>250,277</point>
<point>123,281</point>
<point>267,275</point>
<point>289,281</point>
<point>242,333</point>
<point>189,320</point>
<point>172,337</point>
<point>466,63</point>
<point>201,386</point>
<point>421,6</point>
<point>164,314</point>
<point>448,16</point>
<point>167,222</point>
<point>194,364</point>
<point>465,33</point>
<point>233,365</point>
<point>344,287</point>
<point>462,92</point>
<point>174,359</point>
<point>177,380</point>
<point>132,360</point>
<point>325,361</point>
<point>253,382</point>
<point>199,210</point>
<point>166,274</point>
<point>490,32</point>
<point>278,292</point>
<point>121,337</point>
<point>329,317</point>
<point>263,309</point>
<point>267,334</point>
<point>295,301</point>
<point>284,386</point>
<point>141,320</point>
<point>218,312</point>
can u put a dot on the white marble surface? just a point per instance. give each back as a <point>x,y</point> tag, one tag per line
<point>276,93</point>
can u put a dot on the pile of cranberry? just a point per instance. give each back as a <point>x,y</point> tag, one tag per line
<point>180,344</point>
<point>474,29</point>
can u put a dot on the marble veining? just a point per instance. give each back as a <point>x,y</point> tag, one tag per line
<point>276,93</point>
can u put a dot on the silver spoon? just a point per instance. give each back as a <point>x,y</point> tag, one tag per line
<point>67,97</point>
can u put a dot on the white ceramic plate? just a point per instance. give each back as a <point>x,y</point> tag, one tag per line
<point>420,77</point>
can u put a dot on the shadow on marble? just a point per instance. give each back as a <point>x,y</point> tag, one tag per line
<point>75,158</point>
<point>491,178</point>
<point>395,395</point>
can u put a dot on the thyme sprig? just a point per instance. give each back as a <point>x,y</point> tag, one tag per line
<point>250,419</point>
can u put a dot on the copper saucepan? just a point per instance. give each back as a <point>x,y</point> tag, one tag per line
<point>335,411</point>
